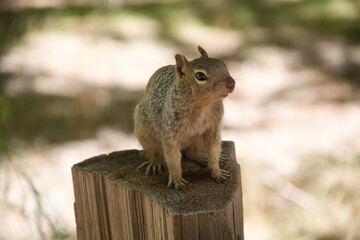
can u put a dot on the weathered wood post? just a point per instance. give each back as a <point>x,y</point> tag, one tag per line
<point>115,201</point>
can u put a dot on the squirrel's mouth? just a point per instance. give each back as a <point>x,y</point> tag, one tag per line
<point>224,95</point>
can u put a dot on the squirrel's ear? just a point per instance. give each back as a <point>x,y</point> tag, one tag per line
<point>202,52</point>
<point>181,65</point>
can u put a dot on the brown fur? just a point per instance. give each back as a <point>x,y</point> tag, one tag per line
<point>180,114</point>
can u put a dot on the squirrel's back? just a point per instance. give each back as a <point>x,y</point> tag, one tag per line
<point>161,80</point>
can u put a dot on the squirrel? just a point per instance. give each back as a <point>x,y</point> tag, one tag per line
<point>181,113</point>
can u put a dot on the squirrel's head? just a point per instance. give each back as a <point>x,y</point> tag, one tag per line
<point>207,78</point>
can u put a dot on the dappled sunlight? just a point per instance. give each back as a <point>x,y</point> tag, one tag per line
<point>61,60</point>
<point>219,42</point>
<point>72,84</point>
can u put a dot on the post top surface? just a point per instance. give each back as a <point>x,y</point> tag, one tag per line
<point>203,195</point>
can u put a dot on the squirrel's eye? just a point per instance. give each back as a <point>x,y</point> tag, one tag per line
<point>200,76</point>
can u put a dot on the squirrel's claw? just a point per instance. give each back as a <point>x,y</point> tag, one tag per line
<point>223,157</point>
<point>180,184</point>
<point>222,160</point>
<point>223,176</point>
<point>152,167</point>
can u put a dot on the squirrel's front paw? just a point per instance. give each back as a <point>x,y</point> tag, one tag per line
<point>178,184</point>
<point>221,175</point>
<point>152,167</point>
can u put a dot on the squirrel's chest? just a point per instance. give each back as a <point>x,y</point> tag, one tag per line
<point>194,124</point>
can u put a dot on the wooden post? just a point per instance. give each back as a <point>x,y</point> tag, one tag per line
<point>115,201</point>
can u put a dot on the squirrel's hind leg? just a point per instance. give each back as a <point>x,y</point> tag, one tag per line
<point>154,165</point>
<point>196,152</point>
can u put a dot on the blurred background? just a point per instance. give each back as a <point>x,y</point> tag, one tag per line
<point>71,73</point>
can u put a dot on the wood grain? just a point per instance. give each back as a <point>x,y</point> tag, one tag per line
<point>115,201</point>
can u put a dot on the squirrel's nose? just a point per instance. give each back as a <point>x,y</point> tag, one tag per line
<point>230,84</point>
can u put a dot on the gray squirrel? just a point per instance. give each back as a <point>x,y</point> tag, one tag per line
<point>181,113</point>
